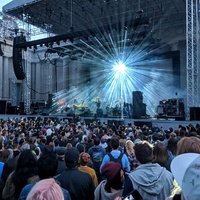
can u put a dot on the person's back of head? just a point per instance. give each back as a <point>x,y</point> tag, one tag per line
<point>27,159</point>
<point>114,175</point>
<point>188,145</point>
<point>172,145</point>
<point>160,153</point>
<point>71,157</point>
<point>129,146</point>
<point>96,141</point>
<point>4,155</point>
<point>114,143</point>
<point>25,169</point>
<point>47,165</point>
<point>46,189</point>
<point>144,152</point>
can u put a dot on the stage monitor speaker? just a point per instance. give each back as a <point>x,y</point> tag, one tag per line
<point>115,122</point>
<point>194,113</point>
<point>142,123</point>
<point>17,58</point>
<point>3,106</point>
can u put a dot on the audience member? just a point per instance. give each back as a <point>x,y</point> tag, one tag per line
<point>116,156</point>
<point>79,184</point>
<point>130,152</point>
<point>46,189</point>
<point>47,167</point>
<point>187,174</point>
<point>60,151</point>
<point>84,161</point>
<point>149,179</point>
<point>161,155</point>
<point>111,187</point>
<point>188,145</point>
<point>25,172</point>
<point>97,153</point>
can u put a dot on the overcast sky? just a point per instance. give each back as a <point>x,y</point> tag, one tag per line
<point>3,2</point>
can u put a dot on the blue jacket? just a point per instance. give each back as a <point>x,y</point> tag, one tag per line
<point>116,153</point>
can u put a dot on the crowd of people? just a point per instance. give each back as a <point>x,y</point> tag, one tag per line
<point>54,159</point>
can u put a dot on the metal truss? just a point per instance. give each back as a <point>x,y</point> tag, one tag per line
<point>27,83</point>
<point>192,65</point>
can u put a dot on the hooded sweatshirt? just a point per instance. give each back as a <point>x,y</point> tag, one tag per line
<point>152,181</point>
<point>101,194</point>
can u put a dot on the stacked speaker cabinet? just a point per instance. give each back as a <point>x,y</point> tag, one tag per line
<point>3,107</point>
<point>139,108</point>
<point>17,58</point>
<point>194,113</point>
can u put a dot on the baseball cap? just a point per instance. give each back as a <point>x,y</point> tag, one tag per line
<point>186,171</point>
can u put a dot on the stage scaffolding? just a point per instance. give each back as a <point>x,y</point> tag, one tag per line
<point>192,44</point>
<point>192,60</point>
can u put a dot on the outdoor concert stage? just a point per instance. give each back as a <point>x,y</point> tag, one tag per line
<point>151,122</point>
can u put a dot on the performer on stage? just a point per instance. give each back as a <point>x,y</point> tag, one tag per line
<point>98,102</point>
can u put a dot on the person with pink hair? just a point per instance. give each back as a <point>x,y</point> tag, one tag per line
<point>46,189</point>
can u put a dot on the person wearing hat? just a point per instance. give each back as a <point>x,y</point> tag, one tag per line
<point>186,171</point>
<point>111,187</point>
<point>60,152</point>
<point>84,161</point>
<point>78,183</point>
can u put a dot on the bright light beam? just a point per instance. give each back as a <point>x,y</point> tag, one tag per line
<point>120,67</point>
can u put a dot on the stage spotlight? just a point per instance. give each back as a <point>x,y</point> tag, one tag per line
<point>120,67</point>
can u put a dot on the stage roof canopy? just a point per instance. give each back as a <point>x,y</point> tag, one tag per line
<point>60,16</point>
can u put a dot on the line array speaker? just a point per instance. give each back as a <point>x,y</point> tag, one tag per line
<point>17,58</point>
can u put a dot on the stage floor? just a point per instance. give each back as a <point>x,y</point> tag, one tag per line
<point>154,122</point>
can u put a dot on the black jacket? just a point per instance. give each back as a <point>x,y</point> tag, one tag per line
<point>79,184</point>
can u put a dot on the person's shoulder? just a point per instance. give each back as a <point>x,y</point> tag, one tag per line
<point>61,174</point>
<point>91,170</point>
<point>100,185</point>
<point>25,190</point>
<point>28,186</point>
<point>66,194</point>
<point>84,175</point>
<point>167,172</point>
<point>124,155</point>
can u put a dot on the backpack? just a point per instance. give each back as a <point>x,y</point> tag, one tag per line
<point>117,160</point>
<point>97,155</point>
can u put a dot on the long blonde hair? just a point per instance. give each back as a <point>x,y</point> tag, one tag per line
<point>130,147</point>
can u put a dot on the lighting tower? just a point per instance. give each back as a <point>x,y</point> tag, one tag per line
<point>192,43</point>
